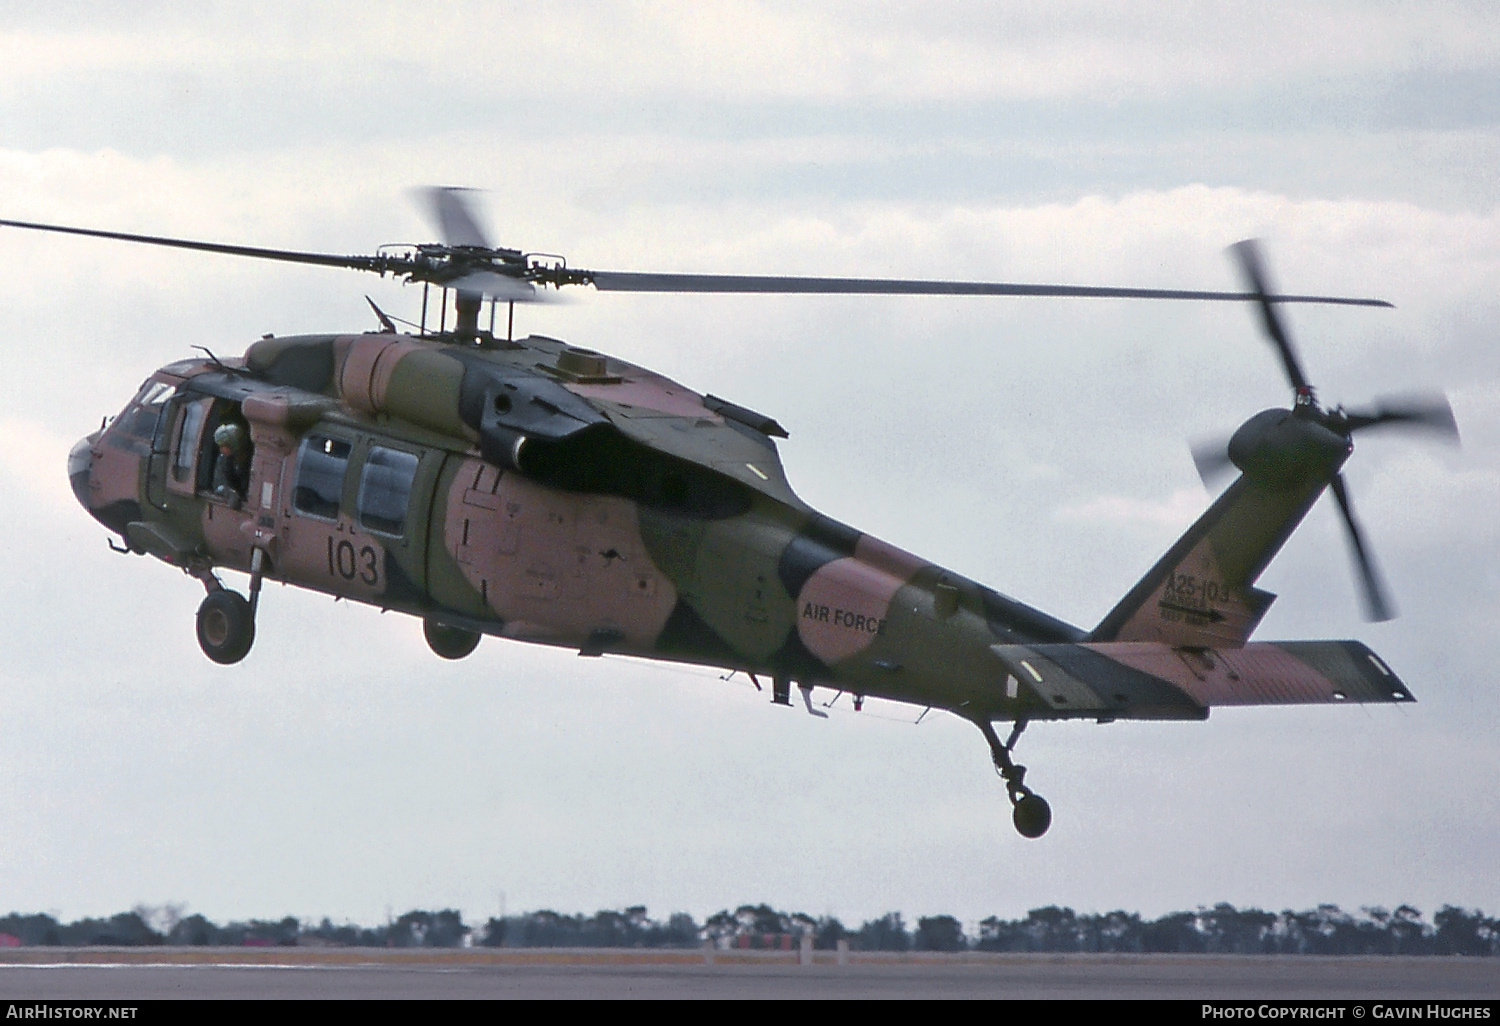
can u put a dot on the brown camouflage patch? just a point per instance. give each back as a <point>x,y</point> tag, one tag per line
<point>554,566</point>
<point>645,390</point>
<point>842,607</point>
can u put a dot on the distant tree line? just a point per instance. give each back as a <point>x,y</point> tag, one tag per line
<point>1325,930</point>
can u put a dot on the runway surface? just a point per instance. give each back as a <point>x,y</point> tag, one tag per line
<point>235,973</point>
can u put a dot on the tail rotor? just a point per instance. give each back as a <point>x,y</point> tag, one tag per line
<point>1275,437</point>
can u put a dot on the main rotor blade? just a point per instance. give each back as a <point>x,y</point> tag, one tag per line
<point>454,217</point>
<point>1248,254</point>
<point>378,264</point>
<point>646,281</point>
<point>1429,411</point>
<point>1377,606</point>
<point>460,226</point>
<point>495,286</point>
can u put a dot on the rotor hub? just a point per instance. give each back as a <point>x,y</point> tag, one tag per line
<point>1281,448</point>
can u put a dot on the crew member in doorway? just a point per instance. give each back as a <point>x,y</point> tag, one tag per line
<point>232,469</point>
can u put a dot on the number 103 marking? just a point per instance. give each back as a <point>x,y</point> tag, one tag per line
<point>345,562</point>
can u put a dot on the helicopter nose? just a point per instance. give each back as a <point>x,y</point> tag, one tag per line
<point>80,464</point>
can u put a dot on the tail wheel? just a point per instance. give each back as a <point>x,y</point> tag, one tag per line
<point>226,626</point>
<point>1032,815</point>
<point>449,642</point>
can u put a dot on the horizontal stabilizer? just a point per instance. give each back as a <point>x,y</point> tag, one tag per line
<point>1155,681</point>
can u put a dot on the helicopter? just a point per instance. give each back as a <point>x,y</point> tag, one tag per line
<point>534,490</point>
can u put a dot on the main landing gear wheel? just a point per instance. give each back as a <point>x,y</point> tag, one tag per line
<point>1030,812</point>
<point>449,642</point>
<point>226,626</point>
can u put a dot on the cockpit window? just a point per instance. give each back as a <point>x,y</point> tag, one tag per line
<point>384,488</point>
<point>321,463</point>
<point>155,393</point>
<point>145,413</point>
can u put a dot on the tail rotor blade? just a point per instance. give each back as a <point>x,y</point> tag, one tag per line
<point>1429,412</point>
<point>1377,606</point>
<point>1253,269</point>
<point>1212,461</point>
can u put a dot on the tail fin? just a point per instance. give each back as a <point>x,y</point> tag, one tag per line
<point>1201,594</point>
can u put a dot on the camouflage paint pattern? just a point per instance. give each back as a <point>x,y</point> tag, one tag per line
<point>563,497</point>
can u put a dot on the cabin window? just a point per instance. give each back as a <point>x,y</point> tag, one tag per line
<point>321,462</point>
<point>384,488</point>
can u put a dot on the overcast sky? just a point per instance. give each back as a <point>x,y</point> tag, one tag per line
<point>1039,446</point>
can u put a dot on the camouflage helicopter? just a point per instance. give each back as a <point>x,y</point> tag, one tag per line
<point>534,490</point>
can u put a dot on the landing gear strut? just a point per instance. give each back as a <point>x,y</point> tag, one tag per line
<point>226,619</point>
<point>1030,812</point>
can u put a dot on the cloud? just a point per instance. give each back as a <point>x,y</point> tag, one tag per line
<point>756,51</point>
<point>1177,512</point>
<point>35,461</point>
